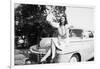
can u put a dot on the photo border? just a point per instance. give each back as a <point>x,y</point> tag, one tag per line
<point>12,66</point>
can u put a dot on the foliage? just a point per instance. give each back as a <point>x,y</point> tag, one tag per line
<point>30,21</point>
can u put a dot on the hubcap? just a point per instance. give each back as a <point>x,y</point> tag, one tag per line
<point>28,62</point>
<point>73,59</point>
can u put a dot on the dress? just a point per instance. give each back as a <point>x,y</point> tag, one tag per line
<point>63,39</point>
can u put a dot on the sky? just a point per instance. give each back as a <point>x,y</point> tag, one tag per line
<point>81,17</point>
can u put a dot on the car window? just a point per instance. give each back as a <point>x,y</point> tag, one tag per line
<point>76,33</point>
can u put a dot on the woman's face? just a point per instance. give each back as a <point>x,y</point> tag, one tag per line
<point>63,20</point>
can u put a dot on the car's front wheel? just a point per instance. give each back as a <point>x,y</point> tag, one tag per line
<point>27,62</point>
<point>74,58</point>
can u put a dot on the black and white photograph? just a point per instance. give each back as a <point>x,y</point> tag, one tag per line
<point>49,34</point>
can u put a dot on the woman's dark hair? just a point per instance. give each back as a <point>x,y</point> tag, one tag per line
<point>65,22</point>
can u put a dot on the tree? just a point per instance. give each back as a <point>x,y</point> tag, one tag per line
<point>30,20</point>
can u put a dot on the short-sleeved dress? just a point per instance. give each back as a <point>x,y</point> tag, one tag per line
<point>62,37</point>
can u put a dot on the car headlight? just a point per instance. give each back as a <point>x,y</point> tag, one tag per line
<point>21,41</point>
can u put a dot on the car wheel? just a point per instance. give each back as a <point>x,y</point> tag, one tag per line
<point>27,62</point>
<point>74,58</point>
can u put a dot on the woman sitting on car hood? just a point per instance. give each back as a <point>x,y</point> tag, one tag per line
<point>60,42</point>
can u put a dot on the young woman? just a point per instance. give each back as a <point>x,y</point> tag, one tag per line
<point>60,42</point>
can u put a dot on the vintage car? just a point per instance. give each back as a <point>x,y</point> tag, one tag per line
<point>77,49</point>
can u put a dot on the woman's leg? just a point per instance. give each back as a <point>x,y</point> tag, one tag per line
<point>46,56</point>
<point>52,50</point>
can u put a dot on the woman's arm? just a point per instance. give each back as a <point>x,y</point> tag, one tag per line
<point>67,30</point>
